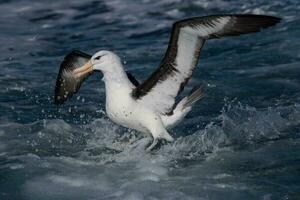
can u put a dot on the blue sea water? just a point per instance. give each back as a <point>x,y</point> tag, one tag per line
<point>242,141</point>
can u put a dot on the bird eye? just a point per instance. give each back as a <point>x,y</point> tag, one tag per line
<point>98,58</point>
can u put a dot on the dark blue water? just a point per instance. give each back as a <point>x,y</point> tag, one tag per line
<point>242,141</point>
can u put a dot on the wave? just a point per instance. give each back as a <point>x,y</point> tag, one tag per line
<point>104,141</point>
<point>100,158</point>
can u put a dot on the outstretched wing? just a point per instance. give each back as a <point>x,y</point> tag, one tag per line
<point>66,83</point>
<point>132,79</point>
<point>188,36</point>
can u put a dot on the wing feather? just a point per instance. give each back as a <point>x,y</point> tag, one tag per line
<point>67,84</point>
<point>188,37</point>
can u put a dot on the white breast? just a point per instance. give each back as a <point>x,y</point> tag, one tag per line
<point>122,109</point>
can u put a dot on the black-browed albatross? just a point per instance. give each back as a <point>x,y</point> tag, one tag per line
<point>150,107</point>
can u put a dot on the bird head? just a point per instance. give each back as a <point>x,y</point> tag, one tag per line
<point>102,61</point>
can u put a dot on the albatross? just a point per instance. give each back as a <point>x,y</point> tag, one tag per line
<point>150,107</point>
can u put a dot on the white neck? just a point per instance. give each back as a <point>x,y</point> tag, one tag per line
<point>115,73</point>
<point>115,78</point>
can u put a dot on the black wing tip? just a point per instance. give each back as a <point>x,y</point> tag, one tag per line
<point>58,100</point>
<point>67,64</point>
<point>272,20</point>
<point>132,79</point>
<point>264,20</point>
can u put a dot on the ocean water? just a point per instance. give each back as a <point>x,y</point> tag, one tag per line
<point>241,141</point>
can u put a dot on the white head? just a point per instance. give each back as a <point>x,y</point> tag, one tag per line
<point>105,61</point>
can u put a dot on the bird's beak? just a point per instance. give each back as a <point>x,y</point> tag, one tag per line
<point>86,68</point>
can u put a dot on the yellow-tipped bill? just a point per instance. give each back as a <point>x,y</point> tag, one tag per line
<point>86,68</point>
<point>75,67</point>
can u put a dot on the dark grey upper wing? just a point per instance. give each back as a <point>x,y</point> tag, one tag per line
<point>188,36</point>
<point>132,79</point>
<point>66,83</point>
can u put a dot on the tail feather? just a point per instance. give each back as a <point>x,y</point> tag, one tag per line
<point>195,95</point>
<point>183,108</point>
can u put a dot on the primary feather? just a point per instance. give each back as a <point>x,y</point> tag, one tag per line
<point>188,37</point>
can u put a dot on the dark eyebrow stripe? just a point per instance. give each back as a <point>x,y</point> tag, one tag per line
<point>98,57</point>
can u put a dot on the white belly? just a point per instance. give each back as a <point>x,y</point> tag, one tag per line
<point>124,111</point>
